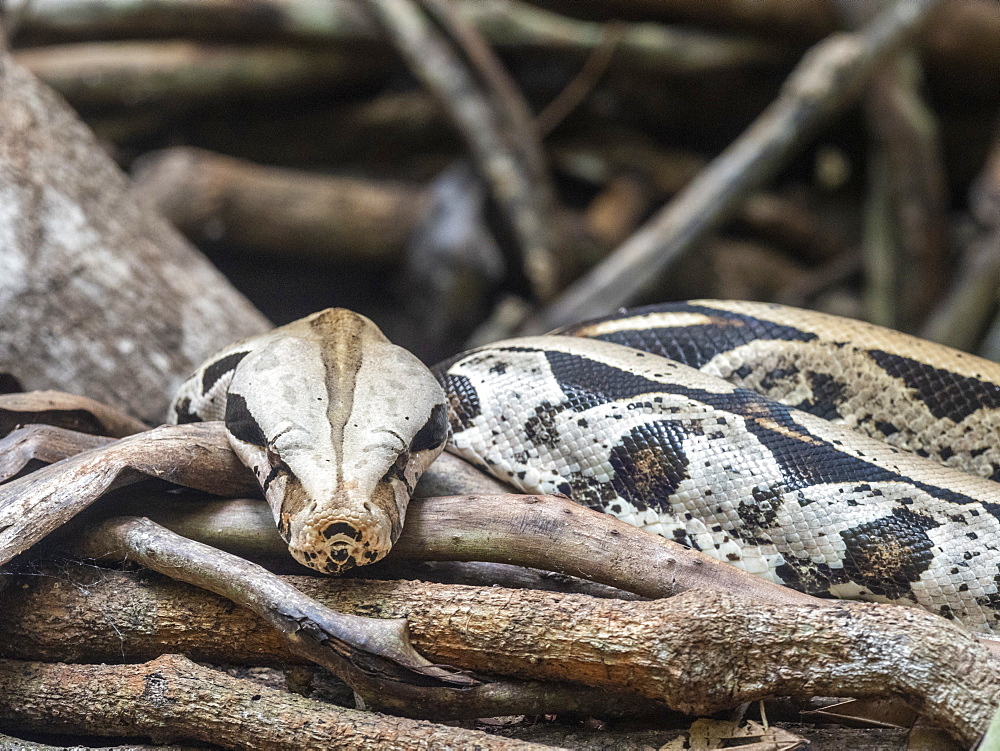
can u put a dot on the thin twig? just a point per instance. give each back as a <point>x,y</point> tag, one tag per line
<point>828,77</point>
<point>582,83</point>
<point>440,68</point>
<point>508,102</point>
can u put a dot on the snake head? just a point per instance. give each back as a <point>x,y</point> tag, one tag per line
<point>338,424</point>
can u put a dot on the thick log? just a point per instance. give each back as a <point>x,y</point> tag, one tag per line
<point>282,211</point>
<point>173,698</point>
<point>681,650</point>
<point>98,295</point>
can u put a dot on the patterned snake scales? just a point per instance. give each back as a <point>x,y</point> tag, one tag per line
<point>825,454</point>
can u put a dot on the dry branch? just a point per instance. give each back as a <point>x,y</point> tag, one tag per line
<point>178,75</point>
<point>542,532</point>
<point>77,413</point>
<point>43,444</point>
<point>173,698</point>
<point>828,77</point>
<point>700,652</point>
<point>509,26</point>
<point>374,656</point>
<point>287,212</point>
<point>196,455</point>
<point>522,198</point>
<point>99,296</point>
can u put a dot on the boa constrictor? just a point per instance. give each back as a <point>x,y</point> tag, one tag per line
<point>795,445</point>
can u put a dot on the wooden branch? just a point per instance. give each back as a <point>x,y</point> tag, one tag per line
<point>77,413</point>
<point>42,444</point>
<point>211,197</point>
<point>556,534</point>
<point>373,656</point>
<point>522,200</point>
<point>827,78</point>
<point>196,455</point>
<point>542,532</point>
<point>959,319</point>
<point>906,217</point>
<point>178,75</point>
<point>511,26</point>
<point>99,296</point>
<point>173,698</point>
<point>700,652</point>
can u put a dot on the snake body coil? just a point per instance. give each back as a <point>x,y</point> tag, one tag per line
<point>738,467</point>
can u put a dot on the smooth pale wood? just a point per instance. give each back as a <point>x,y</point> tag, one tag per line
<point>559,535</point>
<point>173,698</point>
<point>98,295</point>
<point>699,652</point>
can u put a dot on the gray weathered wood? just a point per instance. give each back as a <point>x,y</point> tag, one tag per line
<point>98,295</point>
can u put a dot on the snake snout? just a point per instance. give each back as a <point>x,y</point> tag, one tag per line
<point>345,533</point>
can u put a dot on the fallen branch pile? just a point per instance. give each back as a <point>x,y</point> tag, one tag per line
<point>460,171</point>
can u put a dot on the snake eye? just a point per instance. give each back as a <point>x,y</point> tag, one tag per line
<point>398,469</point>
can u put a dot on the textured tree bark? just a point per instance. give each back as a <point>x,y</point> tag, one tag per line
<point>699,652</point>
<point>173,698</point>
<point>98,295</point>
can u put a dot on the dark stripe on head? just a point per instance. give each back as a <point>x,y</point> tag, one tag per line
<point>184,412</point>
<point>219,368</point>
<point>697,344</point>
<point>434,432</point>
<point>946,394</point>
<point>241,424</point>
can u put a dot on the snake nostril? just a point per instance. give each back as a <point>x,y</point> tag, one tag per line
<point>369,508</point>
